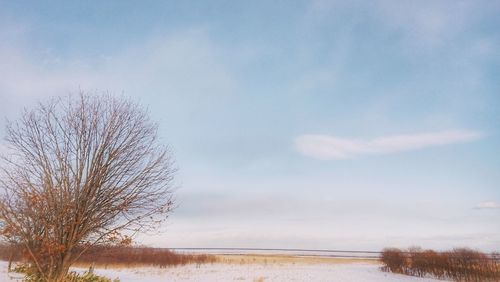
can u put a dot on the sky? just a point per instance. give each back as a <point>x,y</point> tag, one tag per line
<point>350,125</point>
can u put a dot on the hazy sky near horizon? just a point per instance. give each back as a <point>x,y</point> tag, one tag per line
<point>295,124</point>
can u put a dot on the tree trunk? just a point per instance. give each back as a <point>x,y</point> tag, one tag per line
<point>60,268</point>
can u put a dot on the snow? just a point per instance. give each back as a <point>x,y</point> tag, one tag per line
<point>349,272</point>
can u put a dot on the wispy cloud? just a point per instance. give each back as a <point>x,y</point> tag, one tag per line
<point>186,66</point>
<point>327,147</point>
<point>488,205</point>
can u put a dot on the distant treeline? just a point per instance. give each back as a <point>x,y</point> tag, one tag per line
<point>458,264</point>
<point>126,256</point>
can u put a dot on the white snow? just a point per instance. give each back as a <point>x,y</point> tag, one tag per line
<point>349,272</point>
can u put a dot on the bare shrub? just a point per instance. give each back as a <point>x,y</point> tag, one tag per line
<point>394,260</point>
<point>458,264</point>
<point>126,256</point>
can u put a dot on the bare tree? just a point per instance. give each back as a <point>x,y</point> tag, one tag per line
<point>81,171</point>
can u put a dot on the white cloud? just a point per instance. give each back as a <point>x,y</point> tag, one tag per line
<point>327,147</point>
<point>488,205</point>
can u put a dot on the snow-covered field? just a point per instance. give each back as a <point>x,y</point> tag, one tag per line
<point>349,272</point>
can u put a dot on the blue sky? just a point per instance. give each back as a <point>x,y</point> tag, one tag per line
<point>295,124</point>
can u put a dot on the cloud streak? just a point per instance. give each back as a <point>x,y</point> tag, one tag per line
<point>489,205</point>
<point>186,64</point>
<point>327,147</point>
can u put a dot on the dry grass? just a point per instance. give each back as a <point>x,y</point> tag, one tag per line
<point>286,259</point>
<point>115,257</point>
<point>139,256</point>
<point>127,257</point>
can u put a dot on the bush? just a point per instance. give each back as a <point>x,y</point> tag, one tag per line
<point>10,252</point>
<point>88,277</point>
<point>30,275</point>
<point>120,256</point>
<point>394,260</point>
<point>458,264</point>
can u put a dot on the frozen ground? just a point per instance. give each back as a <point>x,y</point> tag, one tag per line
<point>351,272</point>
